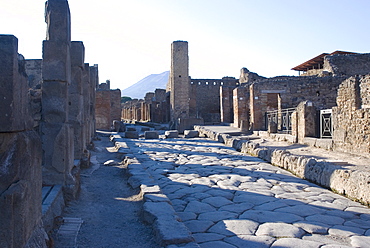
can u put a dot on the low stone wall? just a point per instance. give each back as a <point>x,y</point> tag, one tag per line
<point>351,183</point>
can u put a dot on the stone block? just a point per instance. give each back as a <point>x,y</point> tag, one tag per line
<point>272,127</point>
<point>14,113</point>
<point>131,129</point>
<point>151,135</point>
<point>191,134</point>
<point>119,126</point>
<point>58,19</point>
<point>171,134</point>
<point>20,187</point>
<point>58,147</point>
<point>77,54</point>
<point>56,61</point>
<point>309,141</point>
<point>188,123</point>
<point>54,101</point>
<point>131,134</point>
<point>324,143</point>
<point>144,129</point>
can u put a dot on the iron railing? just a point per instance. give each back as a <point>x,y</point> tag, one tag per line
<point>283,119</point>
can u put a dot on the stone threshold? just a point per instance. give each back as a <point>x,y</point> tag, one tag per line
<point>352,183</point>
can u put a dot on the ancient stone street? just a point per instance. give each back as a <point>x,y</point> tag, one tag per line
<point>229,199</point>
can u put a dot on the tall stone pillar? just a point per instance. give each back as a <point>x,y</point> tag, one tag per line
<point>241,105</point>
<point>75,93</point>
<point>20,153</point>
<point>226,104</point>
<point>179,84</point>
<point>86,89</point>
<point>94,83</point>
<point>56,132</point>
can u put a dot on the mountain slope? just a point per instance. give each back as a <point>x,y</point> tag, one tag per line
<point>147,84</point>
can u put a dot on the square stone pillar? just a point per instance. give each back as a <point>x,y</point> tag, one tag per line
<point>241,105</point>
<point>56,132</point>
<point>226,104</point>
<point>75,93</point>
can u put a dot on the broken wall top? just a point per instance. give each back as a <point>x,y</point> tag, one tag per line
<point>14,113</point>
<point>58,19</point>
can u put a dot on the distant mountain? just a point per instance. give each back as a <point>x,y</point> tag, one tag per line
<point>147,84</point>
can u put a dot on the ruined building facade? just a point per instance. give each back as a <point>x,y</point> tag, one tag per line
<point>108,106</point>
<point>47,123</point>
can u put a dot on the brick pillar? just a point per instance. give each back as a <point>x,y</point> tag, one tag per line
<point>241,105</point>
<point>226,104</point>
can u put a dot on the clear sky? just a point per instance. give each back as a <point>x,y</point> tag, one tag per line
<point>131,39</point>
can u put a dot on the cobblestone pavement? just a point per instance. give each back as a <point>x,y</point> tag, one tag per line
<point>229,199</point>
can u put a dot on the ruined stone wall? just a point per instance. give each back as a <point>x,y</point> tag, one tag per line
<point>205,97</point>
<point>351,118</point>
<point>34,71</point>
<point>290,91</point>
<point>20,152</point>
<point>115,101</point>
<point>348,64</point>
<point>108,108</point>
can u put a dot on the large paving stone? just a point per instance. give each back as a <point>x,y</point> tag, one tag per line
<point>206,237</point>
<point>296,243</point>
<point>199,207</point>
<point>250,241</point>
<point>326,219</point>
<point>216,244</point>
<point>196,226</point>
<point>280,230</point>
<point>345,231</point>
<point>301,210</point>
<point>217,201</point>
<point>268,216</point>
<point>217,216</point>
<point>360,241</point>
<point>312,227</point>
<point>233,227</point>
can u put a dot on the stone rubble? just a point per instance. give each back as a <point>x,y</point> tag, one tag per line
<point>225,198</point>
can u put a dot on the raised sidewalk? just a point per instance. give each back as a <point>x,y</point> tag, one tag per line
<point>343,173</point>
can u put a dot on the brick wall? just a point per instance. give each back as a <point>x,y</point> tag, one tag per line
<point>321,91</point>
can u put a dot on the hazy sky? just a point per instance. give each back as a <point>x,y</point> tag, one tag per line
<point>131,39</point>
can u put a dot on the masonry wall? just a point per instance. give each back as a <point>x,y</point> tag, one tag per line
<point>348,64</point>
<point>108,108</point>
<point>351,118</point>
<point>290,91</point>
<point>20,152</point>
<point>205,98</point>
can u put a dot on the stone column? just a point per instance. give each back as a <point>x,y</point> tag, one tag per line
<point>76,104</point>
<point>179,81</point>
<point>94,82</point>
<point>20,152</point>
<point>86,89</point>
<point>56,132</point>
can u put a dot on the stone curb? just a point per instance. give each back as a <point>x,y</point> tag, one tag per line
<point>157,209</point>
<point>350,183</point>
